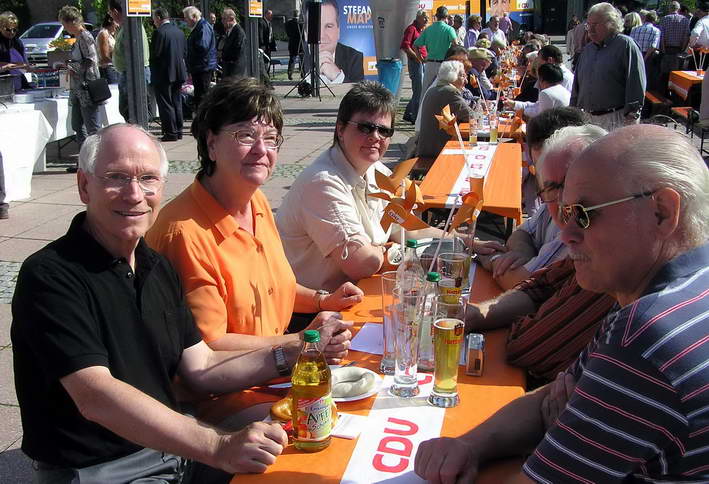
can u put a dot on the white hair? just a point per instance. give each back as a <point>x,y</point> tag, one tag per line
<point>92,145</point>
<point>192,12</point>
<point>448,72</point>
<point>571,140</point>
<point>614,19</point>
<point>673,7</point>
<point>665,159</point>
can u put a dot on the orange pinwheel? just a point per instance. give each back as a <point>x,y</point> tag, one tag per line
<point>446,119</point>
<point>399,210</point>
<point>392,184</point>
<point>469,211</point>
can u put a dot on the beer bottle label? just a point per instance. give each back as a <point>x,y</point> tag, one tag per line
<point>313,418</point>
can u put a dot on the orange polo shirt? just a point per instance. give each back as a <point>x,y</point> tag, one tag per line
<point>234,282</point>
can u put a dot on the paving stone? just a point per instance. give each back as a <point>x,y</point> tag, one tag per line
<point>5,320</point>
<point>7,379</point>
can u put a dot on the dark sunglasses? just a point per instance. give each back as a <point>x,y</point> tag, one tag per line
<point>580,214</point>
<point>550,193</point>
<point>369,128</point>
<point>10,29</point>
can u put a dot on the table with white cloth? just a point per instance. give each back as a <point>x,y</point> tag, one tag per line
<point>23,136</point>
<point>26,129</point>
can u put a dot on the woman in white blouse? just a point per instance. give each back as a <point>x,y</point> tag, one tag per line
<point>330,228</point>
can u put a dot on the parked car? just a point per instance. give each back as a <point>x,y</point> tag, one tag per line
<point>36,39</point>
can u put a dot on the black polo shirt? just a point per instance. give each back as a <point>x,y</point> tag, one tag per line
<point>76,306</point>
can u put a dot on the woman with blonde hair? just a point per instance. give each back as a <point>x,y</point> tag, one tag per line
<point>83,67</point>
<point>630,21</point>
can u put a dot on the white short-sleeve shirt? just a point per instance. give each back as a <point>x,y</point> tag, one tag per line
<point>327,207</point>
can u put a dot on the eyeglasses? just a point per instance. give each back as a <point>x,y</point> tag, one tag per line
<point>248,137</point>
<point>149,183</point>
<point>10,29</point>
<point>580,214</point>
<point>550,193</point>
<point>369,128</point>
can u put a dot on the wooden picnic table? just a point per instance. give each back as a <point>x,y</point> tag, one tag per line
<point>682,83</point>
<point>502,193</point>
<point>480,398</point>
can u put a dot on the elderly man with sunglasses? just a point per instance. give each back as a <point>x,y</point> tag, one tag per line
<point>535,244</point>
<point>551,318</point>
<point>635,216</point>
<point>100,330</point>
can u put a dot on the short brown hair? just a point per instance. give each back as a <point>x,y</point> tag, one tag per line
<point>365,97</point>
<point>70,15</point>
<point>233,100</point>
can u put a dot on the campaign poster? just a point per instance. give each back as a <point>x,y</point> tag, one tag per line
<point>346,50</point>
<point>520,12</point>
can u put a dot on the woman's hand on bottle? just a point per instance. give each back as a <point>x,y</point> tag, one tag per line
<point>335,336</point>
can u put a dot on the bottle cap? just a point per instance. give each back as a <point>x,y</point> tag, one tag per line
<point>413,243</point>
<point>433,277</point>
<point>311,336</point>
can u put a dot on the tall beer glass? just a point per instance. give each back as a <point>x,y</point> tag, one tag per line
<point>406,330</point>
<point>388,323</point>
<point>448,334</point>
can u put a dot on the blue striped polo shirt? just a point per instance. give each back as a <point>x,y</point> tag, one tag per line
<point>640,409</point>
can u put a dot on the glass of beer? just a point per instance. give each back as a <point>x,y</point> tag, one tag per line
<point>454,268</point>
<point>494,124</point>
<point>473,132</point>
<point>448,336</point>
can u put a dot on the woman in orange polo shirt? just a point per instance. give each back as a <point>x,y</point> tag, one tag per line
<point>220,235</point>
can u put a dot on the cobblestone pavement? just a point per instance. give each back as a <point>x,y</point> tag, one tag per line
<point>8,278</point>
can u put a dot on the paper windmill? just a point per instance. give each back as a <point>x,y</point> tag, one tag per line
<point>392,184</point>
<point>399,209</point>
<point>446,119</point>
<point>472,205</point>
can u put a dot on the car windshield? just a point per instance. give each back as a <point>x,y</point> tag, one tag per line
<point>42,31</point>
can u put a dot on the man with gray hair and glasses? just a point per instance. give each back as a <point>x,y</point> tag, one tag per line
<point>635,215</point>
<point>609,82</point>
<point>100,329</point>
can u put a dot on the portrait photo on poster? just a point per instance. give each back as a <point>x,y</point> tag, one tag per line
<point>346,42</point>
<point>499,7</point>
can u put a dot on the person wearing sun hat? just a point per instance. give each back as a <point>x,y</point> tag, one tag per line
<point>481,59</point>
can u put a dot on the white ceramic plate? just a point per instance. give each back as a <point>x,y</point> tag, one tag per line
<point>375,389</point>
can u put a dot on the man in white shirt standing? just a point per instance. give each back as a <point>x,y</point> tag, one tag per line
<point>552,93</point>
<point>493,30</point>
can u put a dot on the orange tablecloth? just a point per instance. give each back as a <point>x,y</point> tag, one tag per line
<point>502,193</point>
<point>682,81</point>
<point>480,398</point>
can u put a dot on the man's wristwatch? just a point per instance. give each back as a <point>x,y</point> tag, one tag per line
<point>279,356</point>
<point>320,294</point>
